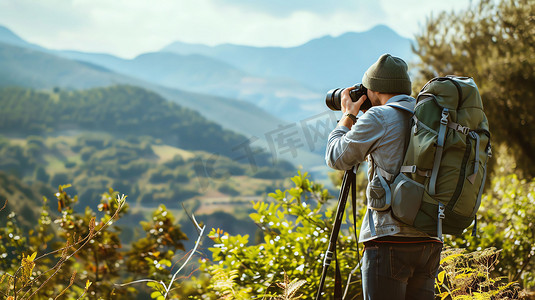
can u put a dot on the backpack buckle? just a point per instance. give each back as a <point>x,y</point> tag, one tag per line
<point>462,129</point>
<point>444,119</point>
<point>441,210</point>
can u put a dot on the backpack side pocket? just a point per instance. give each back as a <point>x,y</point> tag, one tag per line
<point>406,199</point>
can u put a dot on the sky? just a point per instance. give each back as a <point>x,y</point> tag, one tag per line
<point>127,28</point>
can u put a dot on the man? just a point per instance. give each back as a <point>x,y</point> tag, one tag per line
<point>399,261</point>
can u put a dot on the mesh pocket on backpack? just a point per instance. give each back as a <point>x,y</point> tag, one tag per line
<point>377,196</point>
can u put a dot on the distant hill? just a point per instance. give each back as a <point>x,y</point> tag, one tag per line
<point>129,139</point>
<point>202,74</point>
<point>22,198</point>
<point>120,110</point>
<point>31,68</point>
<point>9,37</point>
<point>287,82</point>
<point>321,64</point>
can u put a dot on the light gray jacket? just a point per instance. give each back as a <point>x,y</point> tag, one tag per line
<point>382,133</point>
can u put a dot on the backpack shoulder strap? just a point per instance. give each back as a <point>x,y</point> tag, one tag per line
<point>406,104</point>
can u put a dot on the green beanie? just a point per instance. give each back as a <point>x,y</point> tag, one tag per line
<point>388,75</point>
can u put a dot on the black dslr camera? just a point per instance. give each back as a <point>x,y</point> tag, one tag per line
<point>334,97</point>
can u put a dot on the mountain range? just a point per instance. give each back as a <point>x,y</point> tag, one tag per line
<point>256,91</point>
<point>319,64</point>
<point>287,82</point>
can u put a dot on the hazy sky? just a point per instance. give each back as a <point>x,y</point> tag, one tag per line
<point>130,27</point>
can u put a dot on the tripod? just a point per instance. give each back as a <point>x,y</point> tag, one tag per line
<point>348,181</point>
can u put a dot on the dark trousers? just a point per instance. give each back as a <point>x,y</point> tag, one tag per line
<point>403,271</point>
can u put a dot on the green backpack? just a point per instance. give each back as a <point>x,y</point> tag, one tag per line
<point>439,187</point>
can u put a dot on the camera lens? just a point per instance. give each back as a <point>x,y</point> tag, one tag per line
<point>333,99</point>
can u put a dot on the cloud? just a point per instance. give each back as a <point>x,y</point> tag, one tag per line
<point>407,17</point>
<point>130,27</point>
<point>285,8</point>
<point>41,17</point>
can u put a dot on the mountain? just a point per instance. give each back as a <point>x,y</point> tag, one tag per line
<point>32,68</point>
<point>120,110</point>
<point>287,82</point>
<point>284,98</point>
<point>42,70</point>
<point>129,139</point>
<point>234,85</point>
<point>321,64</point>
<point>9,37</point>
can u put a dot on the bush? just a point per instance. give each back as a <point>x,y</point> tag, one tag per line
<point>226,188</point>
<point>161,176</point>
<point>295,231</point>
<point>506,220</point>
<point>468,276</point>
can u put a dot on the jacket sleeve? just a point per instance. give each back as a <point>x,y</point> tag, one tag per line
<point>346,148</point>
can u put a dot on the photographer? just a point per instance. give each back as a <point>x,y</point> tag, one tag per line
<point>399,261</point>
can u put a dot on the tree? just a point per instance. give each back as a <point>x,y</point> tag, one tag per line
<point>493,42</point>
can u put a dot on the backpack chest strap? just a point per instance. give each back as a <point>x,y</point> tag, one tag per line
<point>458,127</point>
<point>404,169</point>
<point>413,169</point>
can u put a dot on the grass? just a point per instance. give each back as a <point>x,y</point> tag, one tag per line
<point>166,153</point>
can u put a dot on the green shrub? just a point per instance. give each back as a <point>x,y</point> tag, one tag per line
<point>295,228</point>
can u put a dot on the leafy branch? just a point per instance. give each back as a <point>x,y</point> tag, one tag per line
<point>161,290</point>
<point>28,262</point>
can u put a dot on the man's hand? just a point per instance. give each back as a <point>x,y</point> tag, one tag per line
<point>347,105</point>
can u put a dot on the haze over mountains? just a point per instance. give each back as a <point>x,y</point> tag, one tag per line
<point>287,82</point>
<point>251,90</point>
<point>320,64</point>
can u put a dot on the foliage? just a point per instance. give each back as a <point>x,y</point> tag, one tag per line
<point>151,256</point>
<point>83,236</point>
<point>493,42</point>
<point>295,229</point>
<point>289,289</point>
<point>468,276</point>
<point>507,221</point>
<point>76,255</point>
<point>160,289</point>
<point>84,256</point>
<point>295,226</point>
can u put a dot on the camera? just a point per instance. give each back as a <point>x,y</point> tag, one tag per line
<point>334,97</point>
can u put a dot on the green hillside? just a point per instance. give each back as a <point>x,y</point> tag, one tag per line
<point>22,198</point>
<point>42,69</point>
<point>120,110</point>
<point>133,141</point>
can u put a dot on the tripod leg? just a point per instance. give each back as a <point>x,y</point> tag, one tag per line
<point>342,200</point>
